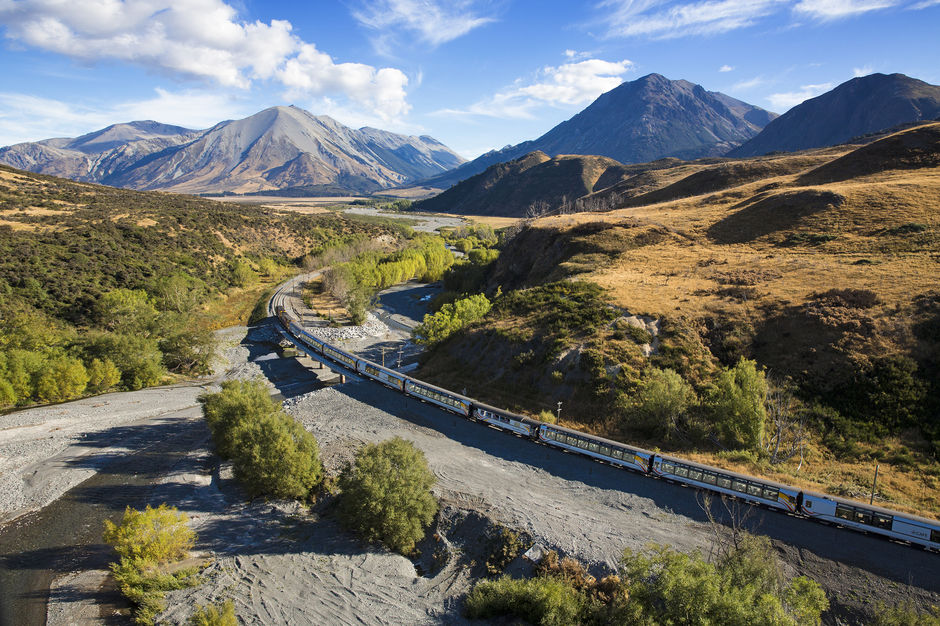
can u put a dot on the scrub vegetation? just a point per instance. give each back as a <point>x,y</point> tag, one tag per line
<point>104,288</point>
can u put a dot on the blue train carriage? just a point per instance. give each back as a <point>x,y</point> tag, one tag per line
<point>874,519</point>
<point>506,420</point>
<point>382,374</point>
<point>742,486</point>
<point>340,356</point>
<point>441,397</point>
<point>597,447</point>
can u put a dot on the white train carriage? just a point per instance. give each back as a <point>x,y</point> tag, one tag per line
<point>306,338</point>
<point>731,483</point>
<point>344,358</point>
<point>435,395</point>
<point>873,519</point>
<point>596,447</point>
<point>505,420</point>
<point>382,374</point>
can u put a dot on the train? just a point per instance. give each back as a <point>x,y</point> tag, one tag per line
<point>834,510</point>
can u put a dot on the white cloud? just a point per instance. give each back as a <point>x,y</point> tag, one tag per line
<point>925,4</point>
<point>203,39</point>
<point>565,85</point>
<point>751,83</point>
<point>434,22</point>
<point>28,118</point>
<point>788,100</point>
<point>665,19</point>
<point>726,68</point>
<point>865,70</point>
<point>836,9</point>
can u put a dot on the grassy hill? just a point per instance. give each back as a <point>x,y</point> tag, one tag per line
<point>103,287</point>
<point>822,266</point>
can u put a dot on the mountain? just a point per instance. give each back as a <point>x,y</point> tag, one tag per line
<point>858,107</point>
<point>534,184</point>
<point>279,147</point>
<point>639,121</point>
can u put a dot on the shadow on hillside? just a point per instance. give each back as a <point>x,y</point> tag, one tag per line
<point>768,214</point>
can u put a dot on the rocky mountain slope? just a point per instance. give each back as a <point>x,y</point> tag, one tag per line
<point>642,120</point>
<point>860,106</point>
<point>276,148</point>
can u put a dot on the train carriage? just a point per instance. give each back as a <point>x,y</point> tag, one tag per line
<point>597,447</point>
<point>441,397</point>
<point>505,420</point>
<point>731,483</point>
<point>382,374</point>
<point>340,356</point>
<point>874,519</point>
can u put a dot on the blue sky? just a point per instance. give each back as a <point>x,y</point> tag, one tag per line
<point>474,74</point>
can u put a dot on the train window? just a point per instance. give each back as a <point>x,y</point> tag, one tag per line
<point>669,468</point>
<point>695,474</point>
<point>863,517</point>
<point>604,450</point>
<point>935,536</point>
<point>771,493</point>
<point>844,512</point>
<point>739,485</point>
<point>708,478</point>
<point>882,521</point>
<point>616,453</point>
<point>593,447</point>
<point>755,490</point>
<point>723,481</point>
<point>682,471</point>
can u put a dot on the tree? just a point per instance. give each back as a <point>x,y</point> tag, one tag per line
<point>155,535</point>
<point>738,405</point>
<point>662,397</point>
<point>127,311</point>
<point>62,378</point>
<point>138,357</point>
<point>242,274</point>
<point>386,494</point>
<point>451,318</point>
<point>102,375</point>
<point>272,454</point>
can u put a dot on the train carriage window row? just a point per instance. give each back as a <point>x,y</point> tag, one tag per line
<point>755,489</point>
<point>586,444</point>
<point>863,516</point>
<point>434,395</point>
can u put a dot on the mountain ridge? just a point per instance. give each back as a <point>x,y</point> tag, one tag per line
<point>274,148</point>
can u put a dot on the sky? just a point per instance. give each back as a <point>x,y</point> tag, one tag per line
<point>474,74</point>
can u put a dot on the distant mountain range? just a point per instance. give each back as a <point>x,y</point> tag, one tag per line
<point>858,107</point>
<point>280,147</point>
<point>639,121</point>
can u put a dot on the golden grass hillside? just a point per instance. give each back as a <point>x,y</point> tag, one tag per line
<point>820,265</point>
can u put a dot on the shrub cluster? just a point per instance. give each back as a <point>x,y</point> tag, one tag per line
<point>148,542</point>
<point>271,453</point>
<point>386,494</point>
<point>450,318</point>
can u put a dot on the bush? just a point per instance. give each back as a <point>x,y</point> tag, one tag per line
<point>62,378</point>
<point>545,601</point>
<point>662,397</point>
<point>156,536</point>
<point>272,454</point>
<point>737,405</point>
<point>386,494</point>
<point>102,375</point>
<point>212,615</point>
<point>451,318</point>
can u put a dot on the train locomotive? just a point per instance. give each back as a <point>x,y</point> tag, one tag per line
<point>824,508</point>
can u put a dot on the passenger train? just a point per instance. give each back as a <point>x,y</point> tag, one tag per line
<point>831,509</point>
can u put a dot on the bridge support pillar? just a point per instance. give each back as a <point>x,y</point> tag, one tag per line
<point>342,378</point>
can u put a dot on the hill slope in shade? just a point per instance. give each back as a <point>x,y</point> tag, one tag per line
<point>531,184</point>
<point>642,120</point>
<point>276,148</point>
<point>860,106</point>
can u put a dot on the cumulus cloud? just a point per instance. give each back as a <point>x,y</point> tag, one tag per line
<point>202,39</point>
<point>434,22</point>
<point>837,9</point>
<point>788,100</point>
<point>564,85</point>
<point>665,19</point>
<point>726,68</point>
<point>29,118</point>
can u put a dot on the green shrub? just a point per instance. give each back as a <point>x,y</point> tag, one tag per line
<point>737,405</point>
<point>102,375</point>
<point>156,536</point>
<point>542,601</point>
<point>637,334</point>
<point>661,399</point>
<point>215,615</point>
<point>906,615</point>
<point>272,454</point>
<point>386,494</point>
<point>451,318</point>
<point>62,378</point>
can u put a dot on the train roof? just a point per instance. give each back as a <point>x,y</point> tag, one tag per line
<point>609,442</point>
<point>496,409</point>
